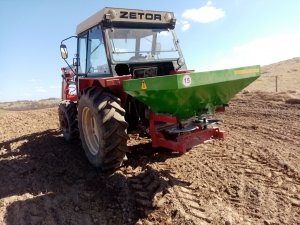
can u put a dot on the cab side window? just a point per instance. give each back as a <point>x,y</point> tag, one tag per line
<point>96,55</point>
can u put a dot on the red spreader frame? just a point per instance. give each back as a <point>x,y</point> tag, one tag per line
<point>183,141</point>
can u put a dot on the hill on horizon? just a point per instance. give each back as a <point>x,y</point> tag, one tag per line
<point>29,104</point>
<point>287,73</point>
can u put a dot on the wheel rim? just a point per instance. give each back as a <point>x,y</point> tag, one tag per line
<point>91,133</point>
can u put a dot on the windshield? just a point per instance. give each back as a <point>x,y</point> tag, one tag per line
<point>143,45</point>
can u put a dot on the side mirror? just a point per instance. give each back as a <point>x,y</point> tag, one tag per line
<point>63,51</point>
<point>76,61</point>
<point>180,62</point>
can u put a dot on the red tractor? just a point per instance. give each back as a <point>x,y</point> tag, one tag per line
<point>136,52</point>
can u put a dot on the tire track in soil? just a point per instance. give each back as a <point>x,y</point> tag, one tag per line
<point>184,200</point>
<point>270,163</point>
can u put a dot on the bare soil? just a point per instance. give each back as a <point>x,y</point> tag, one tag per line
<point>252,177</point>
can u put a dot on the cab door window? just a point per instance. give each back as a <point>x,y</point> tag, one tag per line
<point>96,55</point>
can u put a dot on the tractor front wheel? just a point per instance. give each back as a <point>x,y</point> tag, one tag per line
<point>102,128</point>
<point>67,112</point>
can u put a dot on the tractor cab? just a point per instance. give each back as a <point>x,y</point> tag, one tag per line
<point>117,42</point>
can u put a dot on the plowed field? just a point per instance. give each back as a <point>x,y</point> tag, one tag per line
<point>252,177</point>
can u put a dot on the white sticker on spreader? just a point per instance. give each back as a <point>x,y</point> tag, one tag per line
<point>186,80</point>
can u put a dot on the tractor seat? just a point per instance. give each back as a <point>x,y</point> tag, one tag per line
<point>122,69</point>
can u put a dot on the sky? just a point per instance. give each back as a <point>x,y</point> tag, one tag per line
<point>213,34</point>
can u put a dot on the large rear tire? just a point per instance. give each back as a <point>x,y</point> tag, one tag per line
<point>67,112</point>
<point>102,128</point>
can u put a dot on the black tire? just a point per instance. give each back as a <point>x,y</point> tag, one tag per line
<point>102,128</point>
<point>67,112</point>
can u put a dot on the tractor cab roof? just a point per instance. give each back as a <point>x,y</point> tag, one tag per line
<point>128,18</point>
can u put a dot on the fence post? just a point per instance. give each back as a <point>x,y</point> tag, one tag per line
<point>276,83</point>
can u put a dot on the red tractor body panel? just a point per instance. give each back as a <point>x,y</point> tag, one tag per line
<point>113,84</point>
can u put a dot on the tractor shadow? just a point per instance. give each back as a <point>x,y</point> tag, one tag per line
<point>49,181</point>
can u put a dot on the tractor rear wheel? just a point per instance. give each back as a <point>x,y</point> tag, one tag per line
<point>102,128</point>
<point>67,112</point>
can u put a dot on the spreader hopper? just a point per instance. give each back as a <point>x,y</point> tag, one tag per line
<point>187,95</point>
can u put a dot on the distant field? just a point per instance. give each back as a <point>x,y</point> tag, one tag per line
<point>28,105</point>
<point>2,112</point>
